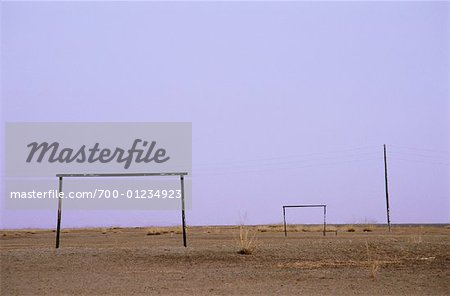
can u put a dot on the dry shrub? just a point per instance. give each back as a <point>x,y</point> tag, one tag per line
<point>265,228</point>
<point>276,227</point>
<point>271,228</point>
<point>156,231</point>
<point>374,268</point>
<point>163,230</point>
<point>368,227</point>
<point>247,242</point>
<point>374,265</point>
<point>311,228</point>
<point>417,239</point>
<point>331,228</point>
<point>153,232</point>
<point>348,228</point>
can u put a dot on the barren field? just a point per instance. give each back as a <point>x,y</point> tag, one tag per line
<point>143,261</point>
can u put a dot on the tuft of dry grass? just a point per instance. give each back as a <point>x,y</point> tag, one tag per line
<point>154,232</point>
<point>311,228</point>
<point>157,230</point>
<point>271,228</point>
<point>368,227</point>
<point>374,265</point>
<point>247,242</point>
<point>263,229</point>
<point>417,239</point>
<point>163,230</point>
<point>275,226</point>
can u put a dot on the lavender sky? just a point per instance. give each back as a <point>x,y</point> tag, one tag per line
<point>290,103</point>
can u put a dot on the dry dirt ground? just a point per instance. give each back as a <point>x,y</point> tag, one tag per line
<point>143,261</point>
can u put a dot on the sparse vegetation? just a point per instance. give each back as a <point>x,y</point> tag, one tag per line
<point>163,230</point>
<point>345,264</point>
<point>368,227</point>
<point>417,239</point>
<point>374,265</point>
<point>262,229</point>
<point>311,228</point>
<point>247,242</point>
<point>154,232</point>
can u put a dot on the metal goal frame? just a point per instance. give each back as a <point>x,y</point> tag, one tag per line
<point>307,206</point>
<point>62,176</point>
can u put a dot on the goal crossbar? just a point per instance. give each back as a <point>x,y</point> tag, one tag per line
<point>121,175</point>
<point>307,206</point>
<point>62,176</point>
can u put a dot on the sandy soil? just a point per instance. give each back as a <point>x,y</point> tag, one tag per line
<point>407,261</point>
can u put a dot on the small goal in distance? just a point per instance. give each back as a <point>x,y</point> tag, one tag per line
<point>307,206</point>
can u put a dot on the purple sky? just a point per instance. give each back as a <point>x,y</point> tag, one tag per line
<point>290,102</point>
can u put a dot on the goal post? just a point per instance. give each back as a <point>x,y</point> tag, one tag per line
<point>62,176</point>
<point>307,206</point>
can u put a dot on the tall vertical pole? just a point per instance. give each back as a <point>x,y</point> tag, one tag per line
<point>324,220</point>
<point>284,219</point>
<point>58,224</point>
<point>183,218</point>
<point>386,188</point>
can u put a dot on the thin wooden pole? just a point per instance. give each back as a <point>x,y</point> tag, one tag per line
<point>284,219</point>
<point>58,224</point>
<point>386,188</point>
<point>183,217</point>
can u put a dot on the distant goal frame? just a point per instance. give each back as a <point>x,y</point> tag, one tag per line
<point>123,175</point>
<point>306,206</point>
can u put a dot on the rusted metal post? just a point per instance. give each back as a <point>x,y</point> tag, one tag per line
<point>183,217</point>
<point>386,188</point>
<point>58,223</point>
